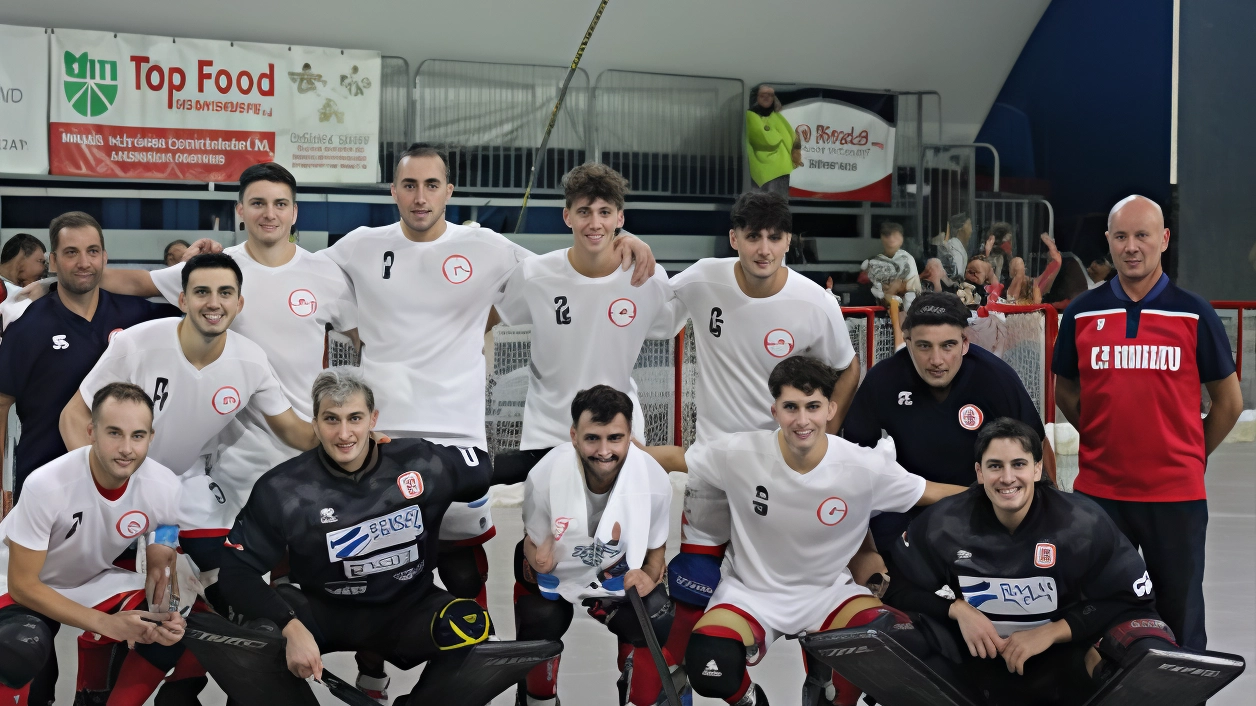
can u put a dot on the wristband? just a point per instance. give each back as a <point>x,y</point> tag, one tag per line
<point>165,535</point>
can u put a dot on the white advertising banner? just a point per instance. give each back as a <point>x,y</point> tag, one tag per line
<point>23,100</point>
<point>847,151</point>
<point>143,107</point>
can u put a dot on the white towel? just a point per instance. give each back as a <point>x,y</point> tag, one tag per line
<point>592,561</point>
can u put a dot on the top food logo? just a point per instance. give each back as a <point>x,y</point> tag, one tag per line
<point>91,85</point>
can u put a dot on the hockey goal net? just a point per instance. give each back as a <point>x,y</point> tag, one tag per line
<point>666,372</point>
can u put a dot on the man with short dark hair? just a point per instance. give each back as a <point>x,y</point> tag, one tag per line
<point>173,254</point>
<point>23,259</point>
<point>45,355</point>
<point>1130,360</point>
<point>1024,579</point>
<point>202,376</point>
<point>793,503</point>
<point>596,512</point>
<point>932,398</point>
<point>79,513</point>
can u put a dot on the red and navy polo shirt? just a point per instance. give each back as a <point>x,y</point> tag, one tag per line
<point>1141,365</point>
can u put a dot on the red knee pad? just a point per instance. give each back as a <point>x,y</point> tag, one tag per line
<point>17,697</point>
<point>542,680</point>
<point>97,663</point>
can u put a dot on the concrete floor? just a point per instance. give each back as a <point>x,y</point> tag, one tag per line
<point>588,668</point>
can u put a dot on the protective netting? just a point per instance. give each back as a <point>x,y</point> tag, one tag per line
<point>340,351</point>
<point>1021,339</point>
<point>507,388</point>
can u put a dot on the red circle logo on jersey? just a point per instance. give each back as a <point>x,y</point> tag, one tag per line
<point>302,302</point>
<point>411,484</point>
<point>779,342</point>
<point>970,417</point>
<point>831,511</point>
<point>113,333</point>
<point>622,312</point>
<point>132,524</point>
<point>226,400</point>
<point>457,269</point>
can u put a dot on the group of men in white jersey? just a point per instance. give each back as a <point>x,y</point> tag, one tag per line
<point>183,415</point>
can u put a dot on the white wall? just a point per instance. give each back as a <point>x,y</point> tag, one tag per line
<point>963,48</point>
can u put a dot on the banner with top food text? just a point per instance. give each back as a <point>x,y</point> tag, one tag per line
<point>847,140</point>
<point>141,107</point>
<point>23,100</point>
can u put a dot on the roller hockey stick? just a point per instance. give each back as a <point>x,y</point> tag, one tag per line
<point>345,691</point>
<point>665,674</point>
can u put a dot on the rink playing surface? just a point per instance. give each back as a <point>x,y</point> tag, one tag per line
<point>587,676</point>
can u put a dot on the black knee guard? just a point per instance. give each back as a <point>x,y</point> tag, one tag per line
<point>25,647</point>
<point>461,623</point>
<point>539,618</point>
<point>462,571</point>
<point>524,573</point>
<point>181,693</point>
<point>620,618</point>
<point>715,665</point>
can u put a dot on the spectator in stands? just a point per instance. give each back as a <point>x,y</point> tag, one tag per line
<point>934,279</point>
<point>771,142</point>
<point>893,272</point>
<point>953,245</point>
<point>174,252</point>
<point>23,259</point>
<point>999,248</point>
<point>980,275</point>
<point>1075,278</point>
<point>1021,289</point>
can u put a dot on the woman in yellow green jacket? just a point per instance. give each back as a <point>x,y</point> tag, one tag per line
<point>771,143</point>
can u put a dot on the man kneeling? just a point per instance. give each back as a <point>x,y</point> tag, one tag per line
<point>1026,579</point>
<point>359,521</point>
<point>596,512</point>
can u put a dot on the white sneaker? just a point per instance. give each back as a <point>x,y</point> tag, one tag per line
<point>374,687</point>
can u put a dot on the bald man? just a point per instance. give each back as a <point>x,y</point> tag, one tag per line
<point>1129,361</point>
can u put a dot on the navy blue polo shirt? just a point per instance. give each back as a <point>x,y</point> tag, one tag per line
<point>932,439</point>
<point>45,355</point>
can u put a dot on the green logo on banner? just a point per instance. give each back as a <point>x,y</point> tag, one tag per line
<point>91,85</point>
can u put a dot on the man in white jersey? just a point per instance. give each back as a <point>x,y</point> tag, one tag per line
<point>424,289</point>
<point>588,321</point>
<point>202,375</point>
<point>794,504</point>
<point>294,296</point>
<point>79,512</point>
<point>751,311</point>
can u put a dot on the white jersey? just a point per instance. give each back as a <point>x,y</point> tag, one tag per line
<point>287,311</point>
<point>422,310</point>
<point>585,331</point>
<point>740,340</point>
<point>63,513</point>
<point>190,406</point>
<point>557,504</point>
<point>793,533</point>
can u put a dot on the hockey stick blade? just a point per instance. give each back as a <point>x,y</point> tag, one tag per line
<point>345,691</point>
<point>665,674</point>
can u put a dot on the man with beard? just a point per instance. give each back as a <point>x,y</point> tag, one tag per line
<point>48,351</point>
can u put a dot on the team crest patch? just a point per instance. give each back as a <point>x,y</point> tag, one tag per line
<point>1044,555</point>
<point>411,484</point>
<point>226,400</point>
<point>132,524</point>
<point>457,269</point>
<point>971,417</point>
<point>831,511</point>
<point>779,343</point>
<point>302,302</point>
<point>622,312</point>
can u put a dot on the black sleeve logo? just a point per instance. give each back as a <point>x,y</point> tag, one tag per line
<point>716,328</point>
<point>160,394</point>
<point>78,520</point>
<point>388,263</point>
<point>562,312</point>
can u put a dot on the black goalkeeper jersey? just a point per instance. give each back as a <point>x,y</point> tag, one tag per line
<point>368,537</point>
<point>1066,561</point>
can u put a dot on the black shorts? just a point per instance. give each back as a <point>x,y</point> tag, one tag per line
<point>399,631</point>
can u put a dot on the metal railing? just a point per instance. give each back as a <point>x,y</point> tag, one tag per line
<point>396,113</point>
<point>670,134</point>
<point>1239,319</point>
<point>1027,217</point>
<point>492,117</point>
